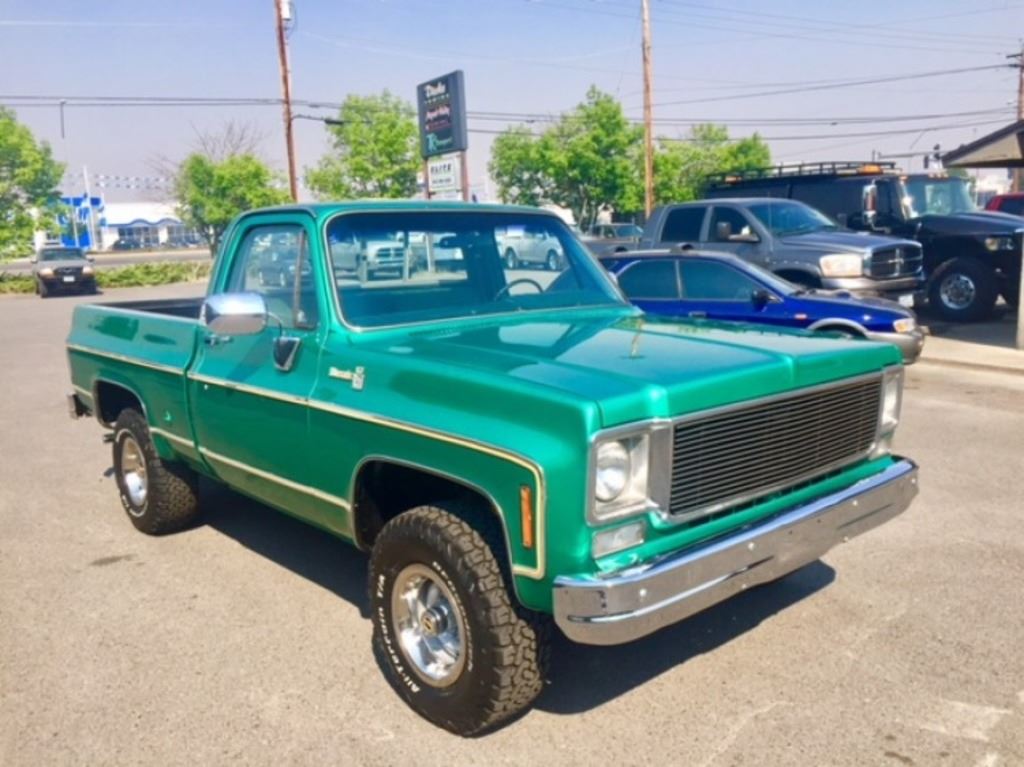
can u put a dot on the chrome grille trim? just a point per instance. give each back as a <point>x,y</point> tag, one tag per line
<point>729,456</point>
<point>899,261</point>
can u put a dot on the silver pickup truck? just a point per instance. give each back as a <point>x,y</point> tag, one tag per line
<point>796,242</point>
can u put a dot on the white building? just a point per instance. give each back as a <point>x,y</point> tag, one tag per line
<point>140,225</point>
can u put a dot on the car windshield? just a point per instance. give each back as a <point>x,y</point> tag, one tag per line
<point>786,217</point>
<point>398,268</point>
<point>627,230</point>
<point>938,196</point>
<point>60,254</point>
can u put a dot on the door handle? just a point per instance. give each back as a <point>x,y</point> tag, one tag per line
<point>697,315</point>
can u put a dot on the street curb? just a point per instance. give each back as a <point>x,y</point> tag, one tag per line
<point>970,366</point>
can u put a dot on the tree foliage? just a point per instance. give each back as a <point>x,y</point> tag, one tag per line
<point>29,177</point>
<point>212,192</point>
<point>681,168</point>
<point>374,150</point>
<point>593,157</point>
<point>586,160</point>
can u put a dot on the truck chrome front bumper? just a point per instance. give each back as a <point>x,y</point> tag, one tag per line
<point>633,603</point>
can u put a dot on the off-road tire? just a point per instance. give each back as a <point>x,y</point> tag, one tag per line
<point>172,497</point>
<point>506,645</point>
<point>986,290</point>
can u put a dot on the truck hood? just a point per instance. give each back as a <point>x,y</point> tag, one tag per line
<point>843,242</point>
<point>978,223</point>
<point>637,367</point>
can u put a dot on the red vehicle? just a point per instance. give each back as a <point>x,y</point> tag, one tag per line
<point>1007,203</point>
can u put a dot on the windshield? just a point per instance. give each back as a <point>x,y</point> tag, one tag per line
<point>938,196</point>
<point>786,217</point>
<point>627,230</point>
<point>397,268</point>
<point>60,254</point>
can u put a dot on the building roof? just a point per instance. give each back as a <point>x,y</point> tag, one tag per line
<point>1003,148</point>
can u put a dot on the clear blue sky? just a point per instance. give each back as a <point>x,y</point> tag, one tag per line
<point>521,56</point>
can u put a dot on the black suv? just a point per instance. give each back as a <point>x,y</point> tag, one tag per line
<point>970,256</point>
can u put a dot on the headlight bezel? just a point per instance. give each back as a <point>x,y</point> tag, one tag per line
<point>998,242</point>
<point>837,265</point>
<point>647,484</point>
<point>890,406</point>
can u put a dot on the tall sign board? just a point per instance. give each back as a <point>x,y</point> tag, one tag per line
<point>441,103</point>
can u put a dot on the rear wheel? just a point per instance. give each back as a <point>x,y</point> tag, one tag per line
<point>159,497</point>
<point>446,629</point>
<point>511,260</point>
<point>963,290</point>
<point>554,263</point>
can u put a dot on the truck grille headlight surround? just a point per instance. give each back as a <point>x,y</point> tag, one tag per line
<point>889,415</point>
<point>629,472</point>
<point>999,243</point>
<point>842,265</point>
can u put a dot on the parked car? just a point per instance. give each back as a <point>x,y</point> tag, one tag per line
<point>795,242</point>
<point>719,286</point>
<point>63,270</point>
<point>125,243</point>
<point>1012,203</point>
<point>524,246</point>
<point>507,452</point>
<point>612,238</point>
<point>970,256</point>
<point>366,258</point>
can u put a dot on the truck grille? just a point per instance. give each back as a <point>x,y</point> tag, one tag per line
<point>743,453</point>
<point>62,271</point>
<point>895,262</point>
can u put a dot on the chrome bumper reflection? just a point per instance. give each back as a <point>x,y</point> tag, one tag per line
<point>643,599</point>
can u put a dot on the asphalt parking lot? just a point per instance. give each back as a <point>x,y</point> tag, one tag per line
<point>245,640</point>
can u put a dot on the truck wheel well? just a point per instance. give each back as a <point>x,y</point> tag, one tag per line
<point>111,399</point>
<point>384,489</point>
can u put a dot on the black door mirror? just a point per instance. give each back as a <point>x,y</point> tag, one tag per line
<point>760,298</point>
<point>723,231</point>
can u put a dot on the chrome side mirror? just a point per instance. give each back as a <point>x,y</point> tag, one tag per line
<point>234,314</point>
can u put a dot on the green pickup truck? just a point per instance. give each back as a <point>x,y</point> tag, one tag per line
<point>515,448</point>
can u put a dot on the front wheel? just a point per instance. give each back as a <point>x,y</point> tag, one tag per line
<point>511,260</point>
<point>446,631</point>
<point>158,497</point>
<point>963,290</point>
<point>554,263</point>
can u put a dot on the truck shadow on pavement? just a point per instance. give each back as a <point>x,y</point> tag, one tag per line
<point>307,551</point>
<point>581,677</point>
<point>584,677</point>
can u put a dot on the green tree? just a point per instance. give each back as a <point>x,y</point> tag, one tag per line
<point>211,192</point>
<point>681,168</point>
<point>29,177</point>
<point>375,151</point>
<point>588,159</point>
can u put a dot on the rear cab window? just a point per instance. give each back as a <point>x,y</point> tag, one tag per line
<point>684,224</point>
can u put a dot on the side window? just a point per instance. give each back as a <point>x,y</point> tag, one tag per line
<point>726,222</point>
<point>683,224</point>
<point>711,281</point>
<point>651,280</point>
<point>274,262</point>
<point>1014,205</point>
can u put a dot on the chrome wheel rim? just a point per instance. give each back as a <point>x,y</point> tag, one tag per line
<point>429,626</point>
<point>957,291</point>
<point>133,472</point>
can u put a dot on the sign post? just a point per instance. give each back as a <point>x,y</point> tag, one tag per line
<point>441,104</point>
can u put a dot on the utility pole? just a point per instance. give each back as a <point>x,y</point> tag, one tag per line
<point>1018,174</point>
<point>645,10</point>
<point>283,11</point>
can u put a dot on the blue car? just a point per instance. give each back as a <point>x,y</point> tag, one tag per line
<point>720,286</point>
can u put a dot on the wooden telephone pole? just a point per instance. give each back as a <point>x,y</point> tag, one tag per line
<point>282,8</point>
<point>1018,173</point>
<point>648,128</point>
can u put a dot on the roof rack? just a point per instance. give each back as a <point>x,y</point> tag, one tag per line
<point>845,168</point>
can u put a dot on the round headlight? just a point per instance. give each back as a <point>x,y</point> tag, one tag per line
<point>612,471</point>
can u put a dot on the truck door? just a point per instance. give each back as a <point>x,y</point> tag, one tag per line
<point>733,232</point>
<point>249,393</point>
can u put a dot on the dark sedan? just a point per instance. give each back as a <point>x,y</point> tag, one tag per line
<point>63,270</point>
